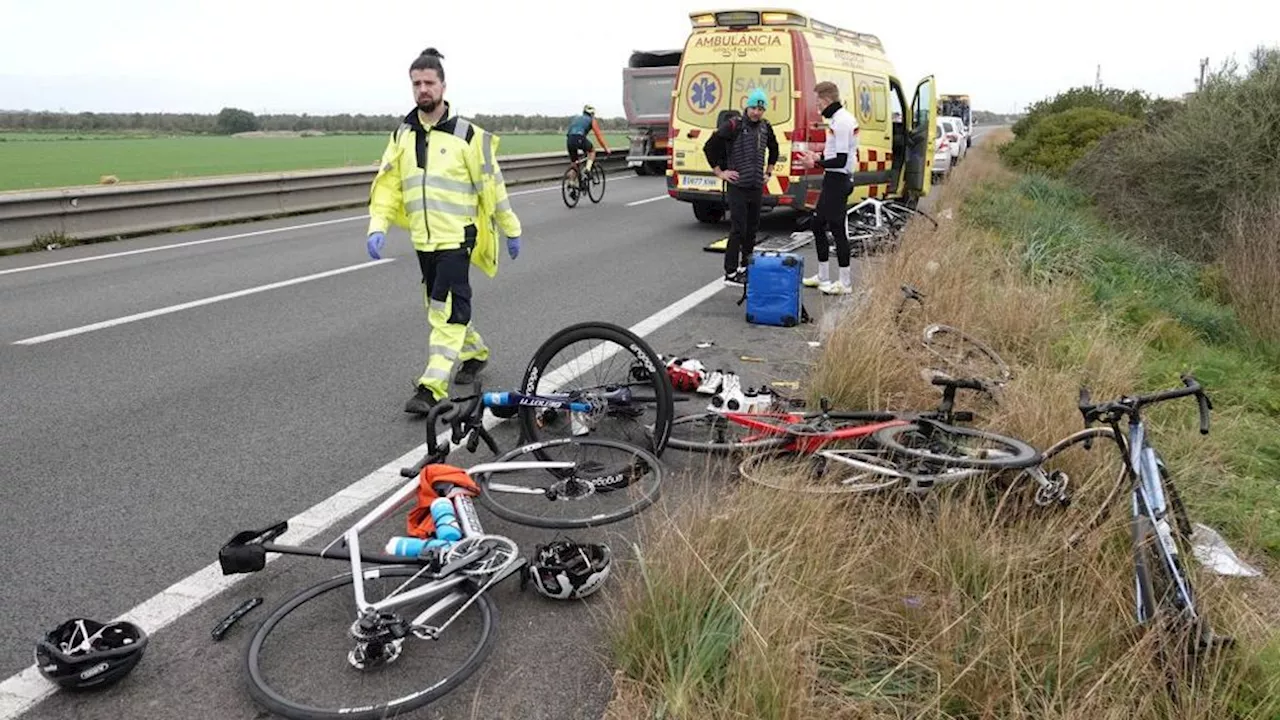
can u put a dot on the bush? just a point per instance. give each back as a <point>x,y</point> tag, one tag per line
<point>1180,177</point>
<point>1057,141</point>
<point>1131,103</point>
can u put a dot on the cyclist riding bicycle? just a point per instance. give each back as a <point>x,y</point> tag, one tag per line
<point>576,139</point>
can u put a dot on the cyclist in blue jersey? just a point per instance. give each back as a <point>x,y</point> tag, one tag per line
<point>576,138</point>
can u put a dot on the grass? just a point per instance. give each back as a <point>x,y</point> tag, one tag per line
<point>40,160</point>
<point>752,603</point>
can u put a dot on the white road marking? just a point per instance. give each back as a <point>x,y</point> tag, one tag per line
<point>237,236</point>
<point>647,200</point>
<point>194,303</point>
<point>174,246</point>
<point>24,690</point>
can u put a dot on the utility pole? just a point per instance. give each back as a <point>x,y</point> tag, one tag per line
<point>1204,64</point>
<point>1098,80</point>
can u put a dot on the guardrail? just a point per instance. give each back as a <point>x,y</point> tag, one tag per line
<point>98,211</point>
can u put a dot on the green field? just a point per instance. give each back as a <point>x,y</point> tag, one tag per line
<point>49,160</point>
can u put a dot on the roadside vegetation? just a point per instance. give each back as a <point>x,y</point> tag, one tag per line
<point>762,604</point>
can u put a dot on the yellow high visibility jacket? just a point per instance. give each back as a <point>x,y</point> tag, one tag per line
<point>443,184</point>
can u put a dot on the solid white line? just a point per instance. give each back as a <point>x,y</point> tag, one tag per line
<point>189,243</point>
<point>647,200</point>
<point>28,688</point>
<point>194,303</point>
<point>237,236</point>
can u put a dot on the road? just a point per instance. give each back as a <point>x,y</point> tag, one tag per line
<point>135,442</point>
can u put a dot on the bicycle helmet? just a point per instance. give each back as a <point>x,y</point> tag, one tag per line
<point>589,109</point>
<point>567,570</point>
<point>83,654</point>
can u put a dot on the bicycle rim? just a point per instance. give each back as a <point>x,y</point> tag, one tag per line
<point>815,474</point>
<point>949,445</point>
<point>962,352</point>
<point>325,641</point>
<point>595,185</point>
<point>568,188</point>
<point>1081,476</point>
<point>591,359</point>
<point>614,481</point>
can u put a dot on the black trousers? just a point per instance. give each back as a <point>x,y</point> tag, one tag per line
<point>830,214</point>
<point>744,219</point>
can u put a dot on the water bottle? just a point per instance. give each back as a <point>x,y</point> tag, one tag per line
<point>413,547</point>
<point>496,399</point>
<point>447,527</point>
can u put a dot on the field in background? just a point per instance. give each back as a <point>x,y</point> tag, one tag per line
<point>50,160</point>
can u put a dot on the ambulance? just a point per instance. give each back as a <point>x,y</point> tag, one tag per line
<point>731,52</point>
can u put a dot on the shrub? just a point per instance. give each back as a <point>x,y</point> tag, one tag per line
<point>1174,183</point>
<point>1057,141</point>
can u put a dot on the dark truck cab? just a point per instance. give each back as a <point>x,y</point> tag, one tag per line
<point>647,84</point>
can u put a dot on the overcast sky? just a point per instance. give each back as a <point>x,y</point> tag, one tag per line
<point>550,56</point>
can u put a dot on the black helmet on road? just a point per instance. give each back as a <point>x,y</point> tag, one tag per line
<point>83,654</point>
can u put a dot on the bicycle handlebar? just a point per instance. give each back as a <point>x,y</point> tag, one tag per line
<point>1129,406</point>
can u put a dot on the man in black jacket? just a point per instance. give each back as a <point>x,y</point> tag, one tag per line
<point>737,154</point>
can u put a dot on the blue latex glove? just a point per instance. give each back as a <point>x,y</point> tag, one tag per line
<point>513,247</point>
<point>375,243</point>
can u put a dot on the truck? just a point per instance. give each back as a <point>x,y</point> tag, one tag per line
<point>958,106</point>
<point>647,83</point>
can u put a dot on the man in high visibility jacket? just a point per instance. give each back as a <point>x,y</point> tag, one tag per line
<point>439,179</point>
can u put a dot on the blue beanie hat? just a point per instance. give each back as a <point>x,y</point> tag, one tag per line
<point>757,98</point>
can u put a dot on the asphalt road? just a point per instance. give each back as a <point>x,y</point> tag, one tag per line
<point>131,452</point>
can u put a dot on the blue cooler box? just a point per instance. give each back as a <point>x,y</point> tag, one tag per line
<point>773,289</point>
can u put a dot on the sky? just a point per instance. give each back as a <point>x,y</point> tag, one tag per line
<point>551,57</point>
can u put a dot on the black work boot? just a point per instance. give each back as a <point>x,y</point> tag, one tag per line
<point>469,370</point>
<point>421,402</point>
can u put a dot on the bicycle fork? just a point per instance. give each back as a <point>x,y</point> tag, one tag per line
<point>1148,499</point>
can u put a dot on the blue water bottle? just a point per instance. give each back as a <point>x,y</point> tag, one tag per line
<point>447,527</point>
<point>405,546</point>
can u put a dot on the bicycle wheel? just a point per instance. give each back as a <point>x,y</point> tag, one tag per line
<point>970,357</point>
<point>595,190</point>
<point>569,188</point>
<point>609,473</point>
<point>827,472</point>
<point>301,660</point>
<point>1082,475</point>
<point>954,446</point>
<point>613,369</point>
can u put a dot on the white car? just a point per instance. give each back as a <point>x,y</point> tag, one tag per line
<point>956,135</point>
<point>942,160</point>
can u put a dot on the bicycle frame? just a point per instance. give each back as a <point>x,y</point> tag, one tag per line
<point>1148,499</point>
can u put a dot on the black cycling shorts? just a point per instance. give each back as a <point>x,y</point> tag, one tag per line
<point>577,144</point>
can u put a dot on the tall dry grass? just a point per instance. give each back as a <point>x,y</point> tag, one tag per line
<point>760,604</point>
<point>1251,263</point>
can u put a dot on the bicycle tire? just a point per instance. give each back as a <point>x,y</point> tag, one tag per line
<point>596,176</point>
<point>1003,373</point>
<point>674,441</point>
<point>1023,455</point>
<point>568,188</point>
<point>277,703</point>
<point>1100,434</point>
<point>650,493</point>
<point>605,332</point>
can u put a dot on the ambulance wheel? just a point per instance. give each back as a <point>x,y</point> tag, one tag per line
<point>707,213</point>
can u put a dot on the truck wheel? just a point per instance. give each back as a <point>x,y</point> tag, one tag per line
<point>642,169</point>
<point>657,167</point>
<point>707,213</point>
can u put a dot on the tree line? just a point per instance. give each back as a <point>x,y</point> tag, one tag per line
<point>236,120</point>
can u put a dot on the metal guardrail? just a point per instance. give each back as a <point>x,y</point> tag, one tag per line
<point>98,211</point>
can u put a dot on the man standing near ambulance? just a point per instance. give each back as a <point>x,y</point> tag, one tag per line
<point>837,159</point>
<point>440,180</point>
<point>742,153</point>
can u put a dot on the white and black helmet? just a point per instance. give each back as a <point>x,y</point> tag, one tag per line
<point>567,570</point>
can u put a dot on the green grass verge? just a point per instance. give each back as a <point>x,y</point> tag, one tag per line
<point>50,160</point>
<point>1061,236</point>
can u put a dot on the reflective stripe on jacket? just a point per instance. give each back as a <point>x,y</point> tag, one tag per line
<point>444,186</point>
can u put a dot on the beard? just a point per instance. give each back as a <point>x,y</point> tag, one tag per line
<point>429,105</point>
